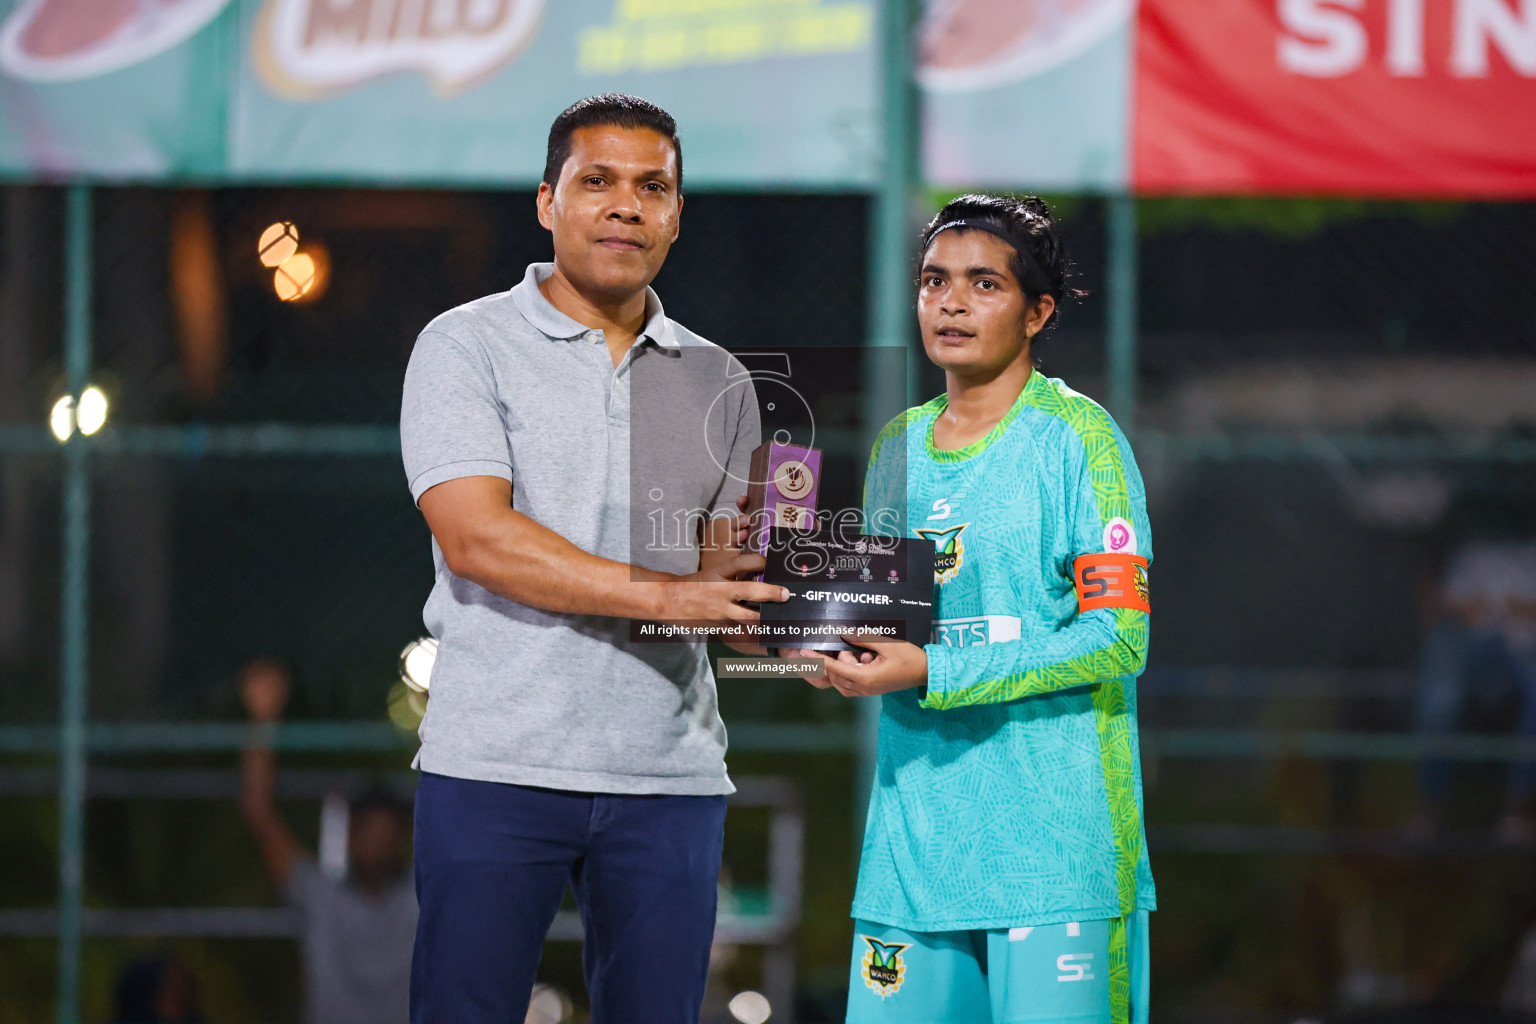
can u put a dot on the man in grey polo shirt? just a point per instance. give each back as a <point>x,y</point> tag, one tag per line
<point>546,432</point>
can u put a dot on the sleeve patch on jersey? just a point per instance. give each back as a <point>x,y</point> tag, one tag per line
<point>1119,537</point>
<point>1111,580</point>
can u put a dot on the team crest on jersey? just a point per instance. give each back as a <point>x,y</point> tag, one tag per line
<point>883,969</point>
<point>949,550</point>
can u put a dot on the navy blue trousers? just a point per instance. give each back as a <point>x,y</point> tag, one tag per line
<point>492,863</point>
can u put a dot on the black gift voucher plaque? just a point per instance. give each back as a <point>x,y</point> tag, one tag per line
<point>842,583</point>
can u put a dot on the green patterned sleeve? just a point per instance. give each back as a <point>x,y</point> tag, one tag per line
<point>1104,509</point>
<point>1095,647</point>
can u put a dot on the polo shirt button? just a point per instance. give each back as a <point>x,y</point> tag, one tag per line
<point>594,336</point>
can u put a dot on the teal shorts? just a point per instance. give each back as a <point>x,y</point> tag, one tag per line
<point>1057,973</point>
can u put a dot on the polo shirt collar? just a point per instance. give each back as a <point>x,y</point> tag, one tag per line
<point>552,323</point>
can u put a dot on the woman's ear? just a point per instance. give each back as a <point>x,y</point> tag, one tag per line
<point>1039,315</point>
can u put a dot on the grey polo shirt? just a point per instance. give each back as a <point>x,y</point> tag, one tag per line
<point>622,462</point>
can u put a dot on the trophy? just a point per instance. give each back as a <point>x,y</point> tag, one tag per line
<point>781,493</point>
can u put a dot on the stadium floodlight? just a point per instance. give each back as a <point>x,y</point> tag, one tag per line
<point>62,419</point>
<point>302,277</point>
<point>91,413</point>
<point>416,663</point>
<point>750,1007</point>
<point>295,277</point>
<point>87,415</point>
<point>278,242</point>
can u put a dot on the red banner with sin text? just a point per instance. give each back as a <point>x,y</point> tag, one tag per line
<point>1362,97</point>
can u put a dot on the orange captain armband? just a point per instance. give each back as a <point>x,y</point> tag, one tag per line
<point>1111,581</point>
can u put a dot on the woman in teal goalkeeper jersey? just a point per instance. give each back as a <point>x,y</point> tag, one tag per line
<point>1004,876</point>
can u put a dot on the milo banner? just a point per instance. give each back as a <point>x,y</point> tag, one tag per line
<point>770,92</point>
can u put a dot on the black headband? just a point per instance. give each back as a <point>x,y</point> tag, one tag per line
<point>987,224</point>
<point>1037,283</point>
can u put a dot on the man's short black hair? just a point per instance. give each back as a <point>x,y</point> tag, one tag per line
<point>618,109</point>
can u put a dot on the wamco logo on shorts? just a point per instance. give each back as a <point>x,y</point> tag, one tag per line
<point>882,968</point>
<point>306,49</point>
<point>1075,967</point>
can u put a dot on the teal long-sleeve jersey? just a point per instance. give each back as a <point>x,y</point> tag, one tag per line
<point>1008,793</point>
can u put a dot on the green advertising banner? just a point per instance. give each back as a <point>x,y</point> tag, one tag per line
<point>114,88</point>
<point>766,92</point>
<point>1026,93</point>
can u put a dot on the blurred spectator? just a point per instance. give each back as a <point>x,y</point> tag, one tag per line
<point>358,929</point>
<point>158,989</point>
<point>1482,643</point>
